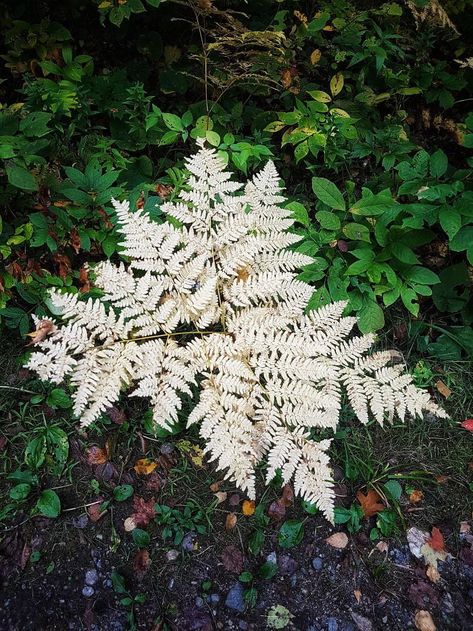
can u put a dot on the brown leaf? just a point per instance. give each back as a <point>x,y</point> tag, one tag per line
<point>248,508</point>
<point>141,563</point>
<point>163,191</point>
<point>230,521</point>
<point>370,503</point>
<point>338,540</point>
<point>357,594</point>
<point>436,540</point>
<point>96,455</point>
<point>433,574</point>
<point>94,511</point>
<point>84,280</point>
<point>64,264</point>
<point>216,486</point>
<point>43,329</point>
<point>116,416</point>
<point>232,559</point>
<point>424,621</point>
<point>25,555</point>
<point>286,78</point>
<point>277,510</point>
<point>221,496</point>
<point>74,240</point>
<point>287,497</point>
<point>145,466</point>
<point>144,512</point>
<point>443,388</point>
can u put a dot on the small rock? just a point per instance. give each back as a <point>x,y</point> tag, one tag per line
<point>317,563</point>
<point>235,599</point>
<point>167,449</point>
<point>171,583</point>
<point>243,625</point>
<point>172,555</point>
<point>80,521</point>
<point>214,598</point>
<point>362,623</point>
<point>401,556</point>
<point>88,591</point>
<point>91,577</point>
<point>107,583</point>
<point>272,558</point>
<point>332,624</point>
<point>294,579</point>
<point>199,602</point>
<point>188,542</point>
<point>287,565</point>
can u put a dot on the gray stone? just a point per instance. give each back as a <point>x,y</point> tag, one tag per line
<point>91,577</point>
<point>88,591</point>
<point>199,602</point>
<point>235,599</point>
<point>287,565</point>
<point>317,563</point>
<point>80,521</point>
<point>272,558</point>
<point>172,555</point>
<point>243,625</point>
<point>332,624</point>
<point>214,598</point>
<point>188,542</point>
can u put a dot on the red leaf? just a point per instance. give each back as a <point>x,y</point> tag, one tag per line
<point>232,559</point>
<point>144,511</point>
<point>468,424</point>
<point>436,541</point>
<point>141,563</point>
<point>287,497</point>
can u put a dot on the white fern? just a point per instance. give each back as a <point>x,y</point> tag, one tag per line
<point>221,309</point>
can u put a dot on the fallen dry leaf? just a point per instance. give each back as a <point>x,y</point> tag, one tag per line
<point>84,280</point>
<point>424,622</point>
<point>357,594</point>
<point>287,497</point>
<point>221,496</point>
<point>232,559</point>
<point>362,623</point>
<point>277,510</point>
<point>144,512</point>
<point>230,521</point>
<point>382,546</point>
<point>433,574</point>
<point>216,486</point>
<point>338,540</point>
<point>315,56</point>
<point>248,507</point>
<point>436,540</point>
<point>416,496</point>
<point>467,424</point>
<point>443,388</point>
<point>370,503</point>
<point>95,455</point>
<point>43,329</point>
<point>193,452</point>
<point>94,511</point>
<point>234,500</point>
<point>416,539</point>
<point>145,466</point>
<point>141,563</point>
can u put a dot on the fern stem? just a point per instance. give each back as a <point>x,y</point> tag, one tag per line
<point>154,337</point>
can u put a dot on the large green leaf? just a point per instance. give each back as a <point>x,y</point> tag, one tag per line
<point>328,193</point>
<point>21,178</point>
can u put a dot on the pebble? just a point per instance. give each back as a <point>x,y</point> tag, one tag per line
<point>317,564</point>
<point>80,521</point>
<point>107,583</point>
<point>167,449</point>
<point>332,624</point>
<point>91,577</point>
<point>88,591</point>
<point>188,542</point>
<point>199,602</point>
<point>172,555</point>
<point>272,558</point>
<point>235,599</point>
<point>214,598</point>
<point>243,625</point>
<point>287,565</point>
<point>171,583</point>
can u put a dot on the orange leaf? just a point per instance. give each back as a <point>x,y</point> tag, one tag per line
<point>436,540</point>
<point>145,466</point>
<point>443,388</point>
<point>416,496</point>
<point>370,503</point>
<point>468,424</point>
<point>43,329</point>
<point>230,521</point>
<point>248,507</point>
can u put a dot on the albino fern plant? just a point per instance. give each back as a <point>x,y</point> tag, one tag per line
<point>215,306</point>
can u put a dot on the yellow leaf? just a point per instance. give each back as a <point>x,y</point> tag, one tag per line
<point>328,28</point>
<point>248,507</point>
<point>336,83</point>
<point>230,521</point>
<point>315,56</point>
<point>193,452</point>
<point>145,466</point>
<point>339,112</point>
<point>105,4</point>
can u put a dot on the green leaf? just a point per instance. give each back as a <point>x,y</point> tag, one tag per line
<point>21,178</point>
<point>49,504</point>
<point>123,492</point>
<point>245,577</point>
<point>438,163</point>
<point>393,489</point>
<point>370,316</point>
<point>299,213</point>
<point>409,299</point>
<point>36,124</point>
<point>268,570</point>
<point>328,220</point>
<point>213,138</point>
<point>358,267</point>
<point>321,97</point>
<point>173,122</point>
<point>450,220</point>
<point>20,492</point>
<point>328,193</point>
<point>141,538</point>
<point>422,276</point>
<point>404,253</point>
<point>278,617</point>
<point>336,83</point>
<point>58,398</point>
<point>373,205</point>
<point>356,232</point>
<point>290,533</point>
<point>301,150</point>
<point>35,452</point>
<point>462,240</point>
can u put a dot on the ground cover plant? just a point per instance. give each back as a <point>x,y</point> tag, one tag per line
<point>365,110</point>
